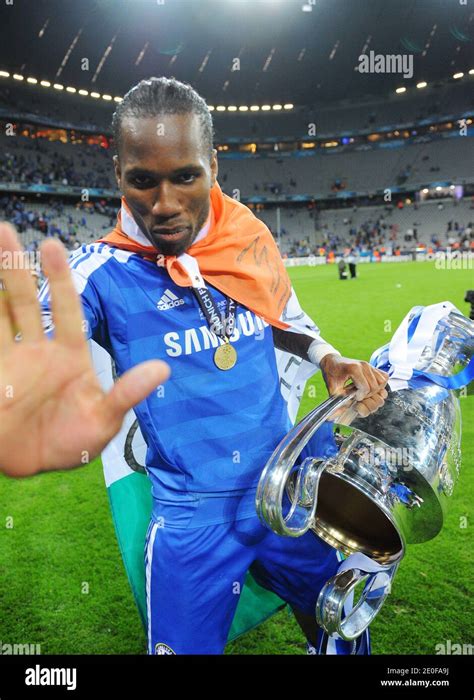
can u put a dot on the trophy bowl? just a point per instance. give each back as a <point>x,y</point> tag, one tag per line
<point>376,496</point>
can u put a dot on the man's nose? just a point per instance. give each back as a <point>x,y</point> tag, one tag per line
<point>165,203</point>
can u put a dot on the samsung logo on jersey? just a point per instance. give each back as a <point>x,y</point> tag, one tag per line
<point>196,339</point>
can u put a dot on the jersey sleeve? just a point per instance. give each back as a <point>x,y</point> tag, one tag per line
<point>302,337</point>
<point>91,306</point>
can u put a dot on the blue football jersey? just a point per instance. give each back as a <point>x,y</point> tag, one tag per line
<point>206,430</point>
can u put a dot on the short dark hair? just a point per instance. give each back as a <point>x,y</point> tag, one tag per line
<point>163,96</point>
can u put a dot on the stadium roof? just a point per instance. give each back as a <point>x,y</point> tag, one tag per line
<point>303,52</point>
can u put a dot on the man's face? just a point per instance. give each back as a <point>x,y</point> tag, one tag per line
<point>166,177</point>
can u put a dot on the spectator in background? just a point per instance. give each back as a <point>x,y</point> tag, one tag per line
<point>352,262</point>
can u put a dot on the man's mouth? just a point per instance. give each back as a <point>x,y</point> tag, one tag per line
<point>170,234</point>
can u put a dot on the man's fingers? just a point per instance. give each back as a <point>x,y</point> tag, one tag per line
<point>361,381</point>
<point>373,399</point>
<point>21,298</point>
<point>380,380</point>
<point>6,329</point>
<point>134,386</point>
<point>366,375</point>
<point>382,377</point>
<point>65,303</point>
<point>369,405</point>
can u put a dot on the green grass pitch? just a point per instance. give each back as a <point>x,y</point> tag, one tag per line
<point>62,584</point>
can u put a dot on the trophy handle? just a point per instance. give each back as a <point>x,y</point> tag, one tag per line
<point>271,487</point>
<point>332,606</point>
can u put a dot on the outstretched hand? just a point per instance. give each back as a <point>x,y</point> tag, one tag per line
<point>53,411</point>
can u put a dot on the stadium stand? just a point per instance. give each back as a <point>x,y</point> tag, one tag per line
<point>426,223</point>
<point>341,117</point>
<point>54,146</point>
<point>72,224</point>
<point>360,171</point>
<point>434,223</point>
<point>28,160</point>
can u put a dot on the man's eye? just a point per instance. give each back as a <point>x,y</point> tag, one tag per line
<point>141,181</point>
<point>188,178</point>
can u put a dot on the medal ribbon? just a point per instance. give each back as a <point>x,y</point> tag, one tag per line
<point>400,356</point>
<point>222,327</point>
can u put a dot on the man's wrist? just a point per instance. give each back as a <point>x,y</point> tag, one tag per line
<point>317,351</point>
<point>327,358</point>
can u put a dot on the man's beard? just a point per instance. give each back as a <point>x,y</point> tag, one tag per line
<point>174,247</point>
<point>171,247</point>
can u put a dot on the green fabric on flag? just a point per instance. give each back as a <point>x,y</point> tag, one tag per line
<point>131,504</point>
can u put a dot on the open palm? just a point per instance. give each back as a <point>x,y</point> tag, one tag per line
<point>53,411</point>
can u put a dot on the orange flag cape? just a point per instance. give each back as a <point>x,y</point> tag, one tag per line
<point>238,256</point>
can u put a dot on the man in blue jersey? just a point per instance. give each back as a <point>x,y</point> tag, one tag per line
<point>191,277</point>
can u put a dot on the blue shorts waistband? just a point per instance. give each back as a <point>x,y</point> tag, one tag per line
<point>189,510</point>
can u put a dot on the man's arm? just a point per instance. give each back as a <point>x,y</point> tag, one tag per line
<point>336,369</point>
<point>304,346</point>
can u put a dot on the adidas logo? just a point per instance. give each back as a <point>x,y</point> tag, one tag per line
<point>169,301</point>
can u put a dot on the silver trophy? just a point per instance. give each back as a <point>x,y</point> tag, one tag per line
<point>390,482</point>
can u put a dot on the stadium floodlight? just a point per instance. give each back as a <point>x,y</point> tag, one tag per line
<point>4,74</point>
<point>265,108</point>
<point>211,108</point>
<point>45,83</point>
<point>254,108</point>
<point>400,90</point>
<point>17,76</point>
<point>276,107</point>
<point>288,106</point>
<point>243,108</point>
<point>456,76</point>
<point>58,86</point>
<point>118,99</point>
<point>107,97</point>
<point>471,72</point>
<point>71,89</point>
<point>83,92</point>
<point>421,85</point>
<point>33,81</point>
<point>232,108</point>
<point>95,95</point>
<point>220,108</point>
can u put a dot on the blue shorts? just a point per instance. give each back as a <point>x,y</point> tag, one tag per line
<point>195,570</point>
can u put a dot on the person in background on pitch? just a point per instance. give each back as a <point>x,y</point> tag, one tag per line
<point>352,261</point>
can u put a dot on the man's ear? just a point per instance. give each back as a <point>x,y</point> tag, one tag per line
<point>118,170</point>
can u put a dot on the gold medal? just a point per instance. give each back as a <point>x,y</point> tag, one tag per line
<point>225,356</point>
